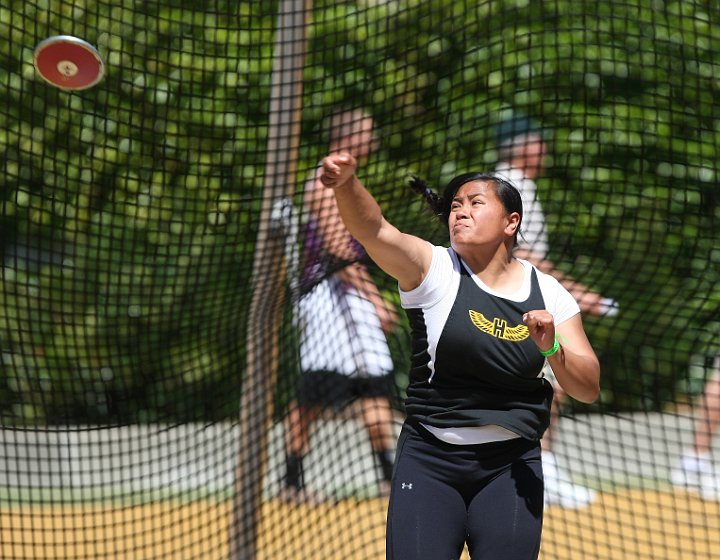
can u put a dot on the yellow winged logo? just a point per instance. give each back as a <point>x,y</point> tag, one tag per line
<point>499,328</point>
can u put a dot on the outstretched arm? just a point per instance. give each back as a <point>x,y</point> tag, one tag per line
<point>404,257</point>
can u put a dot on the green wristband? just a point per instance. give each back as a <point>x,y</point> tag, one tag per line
<point>553,350</point>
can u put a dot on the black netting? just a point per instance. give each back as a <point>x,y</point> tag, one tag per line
<point>157,252</point>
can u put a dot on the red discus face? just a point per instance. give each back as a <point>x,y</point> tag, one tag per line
<point>68,62</point>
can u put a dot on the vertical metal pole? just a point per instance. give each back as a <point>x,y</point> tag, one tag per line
<point>268,278</point>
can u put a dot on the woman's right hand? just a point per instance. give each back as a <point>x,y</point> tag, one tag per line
<point>337,169</point>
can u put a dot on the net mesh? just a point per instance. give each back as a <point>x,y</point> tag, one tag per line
<point>154,234</point>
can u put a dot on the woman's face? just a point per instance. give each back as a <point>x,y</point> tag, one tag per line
<point>477,216</point>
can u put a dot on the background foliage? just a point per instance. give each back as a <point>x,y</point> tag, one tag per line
<point>129,211</point>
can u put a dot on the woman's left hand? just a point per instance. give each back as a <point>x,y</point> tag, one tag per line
<point>541,325</point>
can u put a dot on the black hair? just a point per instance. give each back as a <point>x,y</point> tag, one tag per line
<point>440,205</point>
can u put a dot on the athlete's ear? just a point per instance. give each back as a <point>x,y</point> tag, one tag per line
<point>513,225</point>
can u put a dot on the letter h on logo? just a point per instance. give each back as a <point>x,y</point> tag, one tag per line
<point>499,326</point>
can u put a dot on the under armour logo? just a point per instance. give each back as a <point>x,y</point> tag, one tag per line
<point>406,486</point>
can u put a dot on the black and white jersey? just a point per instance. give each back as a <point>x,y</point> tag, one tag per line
<point>473,362</point>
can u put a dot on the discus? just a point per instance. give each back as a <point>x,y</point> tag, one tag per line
<point>68,63</point>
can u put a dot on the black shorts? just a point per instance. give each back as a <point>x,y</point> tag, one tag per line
<point>328,389</point>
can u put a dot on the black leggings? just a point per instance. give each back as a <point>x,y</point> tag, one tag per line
<point>444,495</point>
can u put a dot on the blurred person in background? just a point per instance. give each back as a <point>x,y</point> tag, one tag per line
<point>695,470</point>
<point>521,160</point>
<point>342,318</point>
